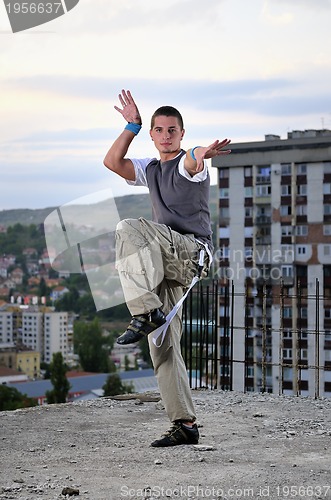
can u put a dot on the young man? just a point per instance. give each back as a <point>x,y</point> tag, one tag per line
<point>158,259</point>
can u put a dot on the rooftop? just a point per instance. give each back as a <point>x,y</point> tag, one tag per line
<point>252,446</point>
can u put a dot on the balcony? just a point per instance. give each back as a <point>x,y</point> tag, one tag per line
<point>263,179</point>
<point>263,240</point>
<point>263,219</point>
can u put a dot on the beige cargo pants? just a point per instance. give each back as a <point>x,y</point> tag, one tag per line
<point>155,265</point>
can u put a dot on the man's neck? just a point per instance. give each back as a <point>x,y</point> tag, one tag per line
<point>169,156</point>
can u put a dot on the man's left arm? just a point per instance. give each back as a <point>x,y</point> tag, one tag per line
<point>194,159</point>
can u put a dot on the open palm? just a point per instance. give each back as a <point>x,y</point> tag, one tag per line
<point>129,109</point>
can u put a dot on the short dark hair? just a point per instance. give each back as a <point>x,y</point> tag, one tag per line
<point>167,111</point>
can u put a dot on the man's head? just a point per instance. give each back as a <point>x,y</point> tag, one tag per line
<point>168,111</point>
<point>167,131</point>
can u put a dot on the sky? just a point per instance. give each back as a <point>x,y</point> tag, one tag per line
<point>236,69</point>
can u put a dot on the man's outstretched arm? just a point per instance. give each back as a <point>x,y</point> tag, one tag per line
<point>194,160</point>
<point>115,158</point>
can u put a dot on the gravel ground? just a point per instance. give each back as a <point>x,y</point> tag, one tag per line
<point>252,446</point>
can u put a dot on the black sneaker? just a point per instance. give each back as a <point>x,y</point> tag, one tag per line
<point>178,434</point>
<point>142,325</point>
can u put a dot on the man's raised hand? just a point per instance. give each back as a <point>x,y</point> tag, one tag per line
<point>129,109</point>
<point>215,149</point>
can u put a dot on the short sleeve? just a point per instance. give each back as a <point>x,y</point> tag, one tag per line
<point>140,171</point>
<point>199,177</point>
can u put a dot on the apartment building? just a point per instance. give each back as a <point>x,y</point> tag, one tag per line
<point>275,249</point>
<point>39,329</point>
<point>55,335</point>
<point>20,358</point>
<point>6,328</point>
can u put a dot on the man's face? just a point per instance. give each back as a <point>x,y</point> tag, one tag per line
<point>167,134</point>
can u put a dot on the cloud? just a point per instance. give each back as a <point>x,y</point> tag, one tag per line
<point>57,181</point>
<point>309,4</point>
<point>111,16</point>
<point>274,96</point>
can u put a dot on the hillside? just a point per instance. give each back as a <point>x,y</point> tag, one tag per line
<point>129,206</point>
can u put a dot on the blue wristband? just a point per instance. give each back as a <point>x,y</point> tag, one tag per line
<point>133,127</point>
<point>192,152</point>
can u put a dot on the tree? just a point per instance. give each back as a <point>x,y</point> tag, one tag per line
<point>92,346</point>
<point>43,288</point>
<point>126,363</point>
<point>59,380</point>
<point>12,399</point>
<point>114,386</point>
<point>144,351</point>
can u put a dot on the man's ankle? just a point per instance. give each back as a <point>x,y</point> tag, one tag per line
<point>187,423</point>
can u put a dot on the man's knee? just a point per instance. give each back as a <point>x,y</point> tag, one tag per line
<point>126,225</point>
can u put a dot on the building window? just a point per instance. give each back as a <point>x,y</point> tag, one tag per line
<point>224,371</point>
<point>263,190</point>
<point>248,232</point>
<point>264,170</point>
<point>301,209</point>
<point>286,230</point>
<point>250,371</point>
<point>287,334</point>
<point>327,229</point>
<point>248,171</point>
<point>224,213</point>
<point>287,353</point>
<point>287,271</point>
<point>249,311</point>
<point>327,188</point>
<point>302,190</point>
<point>301,230</point>
<point>248,252</point>
<point>224,192</point>
<point>224,173</point>
<point>327,355</point>
<point>327,209</point>
<point>287,252</point>
<point>304,312</point>
<point>285,210</point>
<point>327,313</point>
<point>286,190</point>
<point>302,168</point>
<point>248,192</point>
<point>249,212</point>
<point>327,249</point>
<point>301,271</point>
<point>301,249</point>
<point>224,252</point>
<point>304,354</point>
<point>287,312</point>
<point>288,374</point>
<point>327,167</point>
<point>263,174</point>
<point>286,168</point>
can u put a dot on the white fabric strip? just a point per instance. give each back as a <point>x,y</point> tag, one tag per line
<point>162,330</point>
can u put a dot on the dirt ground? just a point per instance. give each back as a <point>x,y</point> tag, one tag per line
<point>252,446</point>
